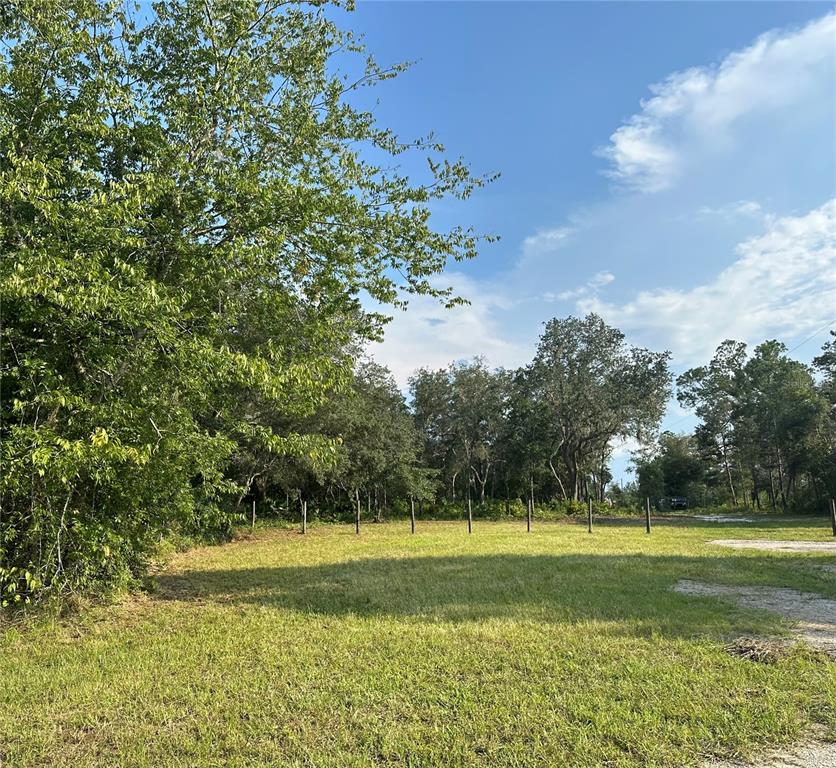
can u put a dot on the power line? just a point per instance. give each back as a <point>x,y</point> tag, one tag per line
<point>809,338</point>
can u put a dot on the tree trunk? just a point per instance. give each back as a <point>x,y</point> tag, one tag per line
<point>728,469</point>
<point>781,480</point>
<point>557,477</point>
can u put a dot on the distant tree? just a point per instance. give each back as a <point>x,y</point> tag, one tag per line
<point>825,459</point>
<point>431,398</point>
<point>712,392</point>
<point>763,421</point>
<point>380,445</point>
<point>524,449</point>
<point>461,411</point>
<point>782,402</point>
<point>825,363</point>
<point>674,469</point>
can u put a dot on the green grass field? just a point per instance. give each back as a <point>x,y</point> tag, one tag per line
<point>441,649</point>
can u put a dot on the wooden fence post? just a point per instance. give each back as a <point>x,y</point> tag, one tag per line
<point>469,513</point>
<point>833,515</point>
<point>252,524</point>
<point>589,515</point>
<point>530,515</point>
<point>647,516</point>
<point>412,512</point>
<point>304,516</point>
<point>357,515</point>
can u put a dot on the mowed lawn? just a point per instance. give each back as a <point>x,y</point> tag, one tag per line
<point>502,648</point>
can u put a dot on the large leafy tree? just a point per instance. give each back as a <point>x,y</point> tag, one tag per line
<point>593,387</point>
<point>187,224</point>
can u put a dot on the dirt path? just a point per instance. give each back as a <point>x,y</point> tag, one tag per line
<point>815,615</point>
<point>828,547</point>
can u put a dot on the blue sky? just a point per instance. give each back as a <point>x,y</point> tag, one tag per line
<point>671,166</point>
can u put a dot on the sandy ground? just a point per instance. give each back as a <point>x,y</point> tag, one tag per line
<point>724,518</point>
<point>815,616</point>
<point>815,619</point>
<point>828,547</point>
<point>812,755</point>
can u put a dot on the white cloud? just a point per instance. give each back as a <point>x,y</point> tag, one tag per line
<point>749,208</point>
<point>591,286</point>
<point>547,240</point>
<point>782,284</point>
<point>428,335</point>
<point>701,104</point>
<point>601,279</point>
<point>624,448</point>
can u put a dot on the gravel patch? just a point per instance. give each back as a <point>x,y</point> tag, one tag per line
<point>778,546</point>
<point>815,616</point>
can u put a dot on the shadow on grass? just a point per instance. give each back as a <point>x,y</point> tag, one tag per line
<point>632,592</point>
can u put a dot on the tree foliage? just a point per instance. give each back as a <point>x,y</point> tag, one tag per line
<point>188,222</point>
<point>766,427</point>
<point>593,388</point>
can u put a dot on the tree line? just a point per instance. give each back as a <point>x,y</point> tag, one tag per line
<point>766,435</point>
<point>472,432</point>
<point>496,438</point>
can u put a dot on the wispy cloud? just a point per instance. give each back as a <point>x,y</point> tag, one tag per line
<point>591,286</point>
<point>428,335</point>
<point>547,240</point>
<point>747,208</point>
<point>702,103</point>
<point>782,284</point>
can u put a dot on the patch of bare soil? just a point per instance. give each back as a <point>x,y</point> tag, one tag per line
<point>810,755</point>
<point>724,518</point>
<point>815,616</point>
<point>778,546</point>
